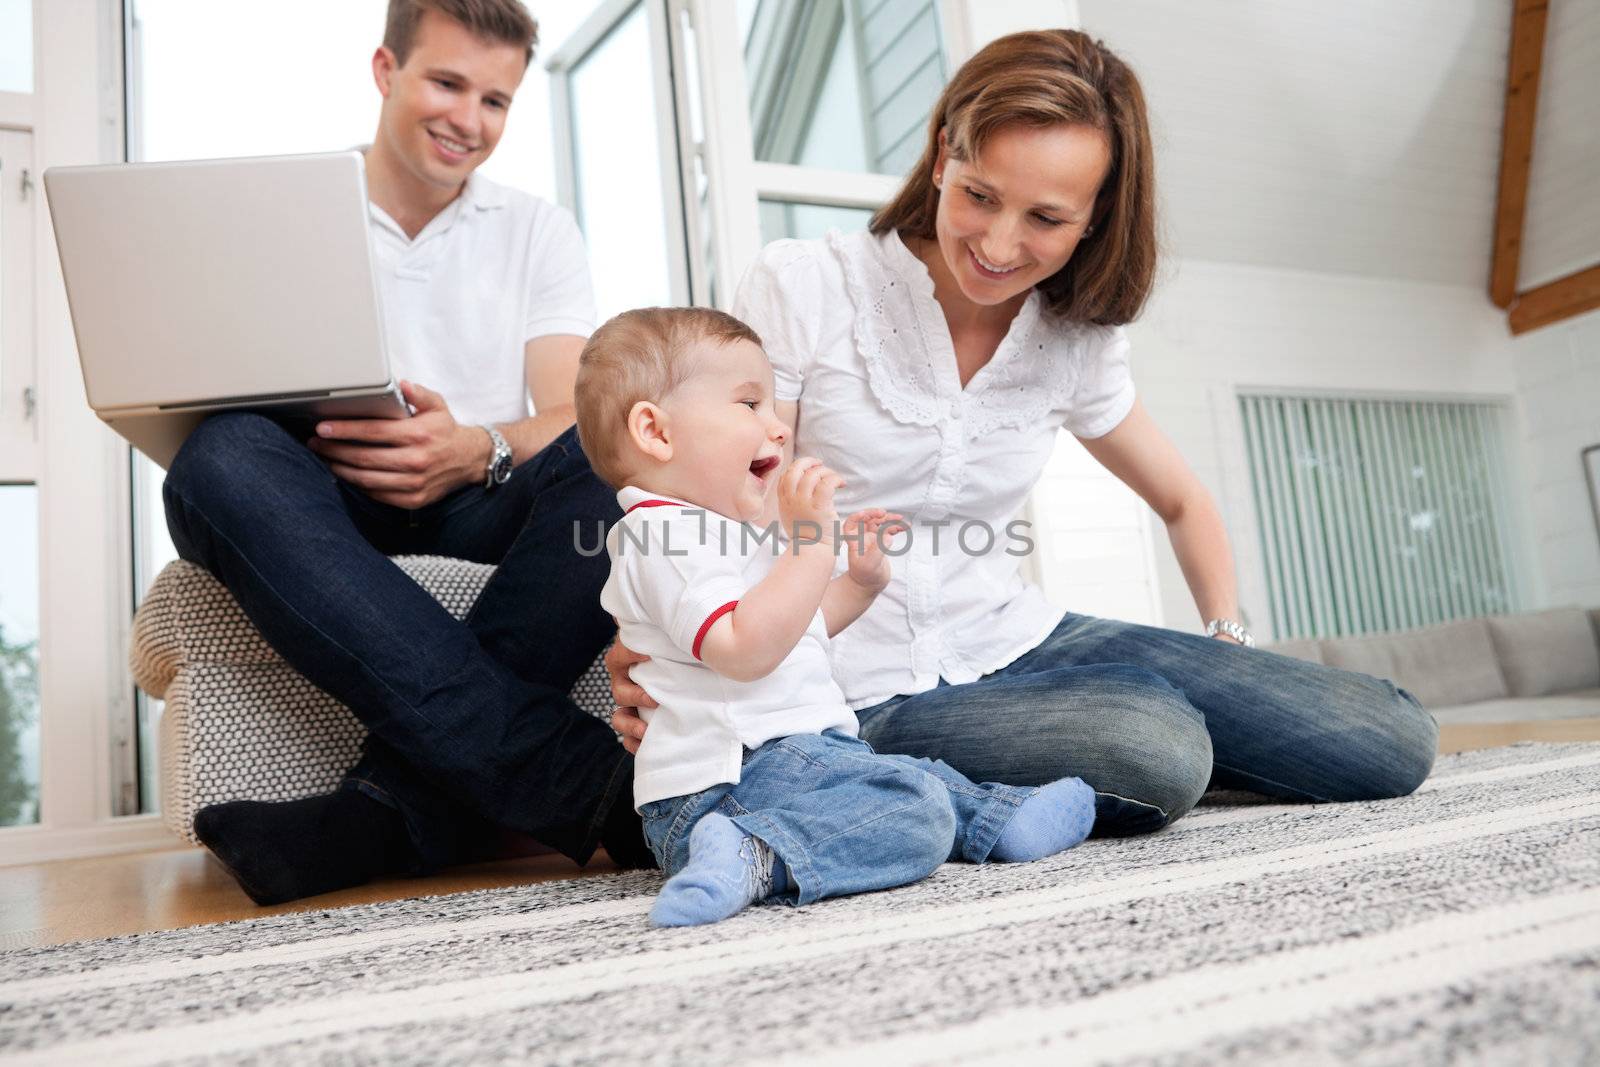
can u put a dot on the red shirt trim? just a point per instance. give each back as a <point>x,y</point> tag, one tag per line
<point>700,635</point>
<point>654,504</point>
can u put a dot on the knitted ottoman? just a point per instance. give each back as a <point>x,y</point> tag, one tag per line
<point>239,722</point>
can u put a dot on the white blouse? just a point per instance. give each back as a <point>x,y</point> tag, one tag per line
<point>855,335</point>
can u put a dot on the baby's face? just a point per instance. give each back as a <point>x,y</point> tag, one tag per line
<point>727,441</point>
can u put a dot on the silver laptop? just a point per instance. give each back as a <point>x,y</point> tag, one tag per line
<point>222,284</point>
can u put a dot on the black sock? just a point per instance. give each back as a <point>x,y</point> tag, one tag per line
<point>623,836</point>
<point>299,848</point>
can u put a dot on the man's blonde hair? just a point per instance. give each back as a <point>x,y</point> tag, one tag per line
<point>639,355</point>
<point>494,21</point>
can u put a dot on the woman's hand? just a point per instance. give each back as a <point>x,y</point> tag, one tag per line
<point>869,567</point>
<point>628,695</point>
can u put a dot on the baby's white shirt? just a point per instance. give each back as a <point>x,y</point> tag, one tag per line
<point>675,570</point>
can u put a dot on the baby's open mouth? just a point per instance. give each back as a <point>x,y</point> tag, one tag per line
<point>762,467</point>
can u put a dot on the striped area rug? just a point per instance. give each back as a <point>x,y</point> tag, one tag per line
<point>1460,925</point>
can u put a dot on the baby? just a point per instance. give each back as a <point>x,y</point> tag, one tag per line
<point>751,780</point>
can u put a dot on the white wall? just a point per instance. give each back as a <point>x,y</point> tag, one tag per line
<point>1561,233</point>
<point>1094,542</point>
<point>1327,183</point>
<point>1361,137</point>
<point>1557,372</point>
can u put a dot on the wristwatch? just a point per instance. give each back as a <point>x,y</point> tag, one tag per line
<point>1232,629</point>
<point>499,460</point>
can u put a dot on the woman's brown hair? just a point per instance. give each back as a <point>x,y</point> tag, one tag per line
<point>1042,78</point>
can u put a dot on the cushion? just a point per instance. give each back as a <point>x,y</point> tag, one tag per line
<point>1453,663</point>
<point>1306,648</point>
<point>239,722</point>
<point>1546,651</point>
<point>1578,704</point>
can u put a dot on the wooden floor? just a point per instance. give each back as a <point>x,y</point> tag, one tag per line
<point>70,900</point>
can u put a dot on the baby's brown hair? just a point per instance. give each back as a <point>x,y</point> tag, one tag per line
<point>641,354</point>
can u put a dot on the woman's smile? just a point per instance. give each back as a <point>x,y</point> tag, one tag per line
<point>987,271</point>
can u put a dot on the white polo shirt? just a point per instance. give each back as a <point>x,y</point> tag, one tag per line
<point>492,271</point>
<point>675,570</point>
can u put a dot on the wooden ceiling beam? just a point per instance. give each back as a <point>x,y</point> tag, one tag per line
<point>1560,299</point>
<point>1516,147</point>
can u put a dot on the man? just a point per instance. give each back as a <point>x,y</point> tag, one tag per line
<point>487,301</point>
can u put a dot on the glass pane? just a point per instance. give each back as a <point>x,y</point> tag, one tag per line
<point>783,219</point>
<point>153,550</point>
<point>842,84</point>
<point>16,46</point>
<point>617,170</point>
<point>19,655</point>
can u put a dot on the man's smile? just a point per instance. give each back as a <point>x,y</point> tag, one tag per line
<point>452,146</point>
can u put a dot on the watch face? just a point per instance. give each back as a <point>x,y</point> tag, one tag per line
<point>502,470</point>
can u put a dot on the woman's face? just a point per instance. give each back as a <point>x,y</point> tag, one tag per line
<point>1012,217</point>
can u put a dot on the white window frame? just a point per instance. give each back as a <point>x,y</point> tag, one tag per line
<point>564,63</point>
<point>738,181</point>
<point>19,371</point>
<point>85,579</point>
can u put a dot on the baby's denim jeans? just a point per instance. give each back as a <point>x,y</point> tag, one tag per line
<point>843,818</point>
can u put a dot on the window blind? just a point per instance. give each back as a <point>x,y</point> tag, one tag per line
<point>1379,514</point>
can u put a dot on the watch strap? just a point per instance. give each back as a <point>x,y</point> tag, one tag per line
<point>500,453</point>
<point>1232,629</point>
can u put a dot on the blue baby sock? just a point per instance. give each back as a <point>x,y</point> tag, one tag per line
<point>728,870</point>
<point>1054,819</point>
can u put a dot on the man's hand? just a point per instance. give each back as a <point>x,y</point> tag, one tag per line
<point>406,463</point>
<point>628,696</point>
<point>869,566</point>
<point>805,499</point>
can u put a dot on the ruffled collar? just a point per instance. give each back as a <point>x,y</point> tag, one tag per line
<point>901,333</point>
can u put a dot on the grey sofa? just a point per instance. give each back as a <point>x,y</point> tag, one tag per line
<point>1499,668</point>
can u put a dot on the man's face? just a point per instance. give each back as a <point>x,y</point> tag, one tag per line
<point>444,111</point>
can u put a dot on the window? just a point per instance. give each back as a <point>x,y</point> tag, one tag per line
<point>615,113</point>
<point>813,114</point>
<point>805,221</point>
<point>16,46</point>
<point>19,655</point>
<point>1379,514</point>
<point>19,493</point>
<point>841,84</point>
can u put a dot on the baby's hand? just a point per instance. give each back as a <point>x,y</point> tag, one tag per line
<point>869,566</point>
<point>805,501</point>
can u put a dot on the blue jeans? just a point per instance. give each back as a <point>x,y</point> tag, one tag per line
<point>1150,718</point>
<point>471,727</point>
<point>843,818</point>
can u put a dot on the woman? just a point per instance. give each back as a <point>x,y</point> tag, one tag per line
<point>931,362</point>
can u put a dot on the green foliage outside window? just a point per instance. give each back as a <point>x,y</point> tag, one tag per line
<point>19,702</point>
